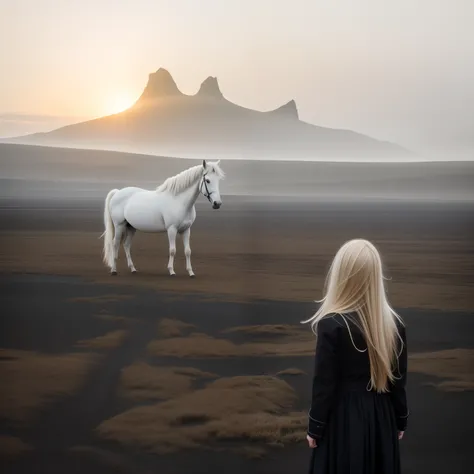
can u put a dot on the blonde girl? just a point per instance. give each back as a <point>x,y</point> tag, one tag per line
<point>359,409</point>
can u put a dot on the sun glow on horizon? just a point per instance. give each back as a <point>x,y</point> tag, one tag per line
<point>118,103</point>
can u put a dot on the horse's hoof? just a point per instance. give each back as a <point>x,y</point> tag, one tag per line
<point>192,275</point>
<point>134,272</point>
<point>113,273</point>
<point>173,274</point>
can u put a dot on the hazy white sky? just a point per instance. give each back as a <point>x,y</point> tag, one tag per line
<point>400,70</point>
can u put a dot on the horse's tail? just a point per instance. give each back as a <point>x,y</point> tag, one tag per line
<point>108,235</point>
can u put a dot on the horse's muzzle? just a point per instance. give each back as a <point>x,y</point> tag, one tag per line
<point>216,205</point>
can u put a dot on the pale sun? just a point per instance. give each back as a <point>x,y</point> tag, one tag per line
<point>118,104</point>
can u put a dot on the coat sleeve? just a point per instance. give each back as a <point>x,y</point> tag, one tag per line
<point>325,376</point>
<point>398,389</point>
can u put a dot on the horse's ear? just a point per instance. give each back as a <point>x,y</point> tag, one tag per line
<point>218,161</point>
<point>204,164</point>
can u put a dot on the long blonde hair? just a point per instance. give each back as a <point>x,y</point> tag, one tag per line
<point>355,283</point>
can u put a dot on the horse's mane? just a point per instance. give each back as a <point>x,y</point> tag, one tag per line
<point>184,179</point>
<point>181,181</point>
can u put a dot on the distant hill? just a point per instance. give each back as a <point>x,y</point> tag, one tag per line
<point>35,171</point>
<point>164,121</point>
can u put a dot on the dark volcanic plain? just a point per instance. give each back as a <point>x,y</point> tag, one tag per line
<point>145,373</point>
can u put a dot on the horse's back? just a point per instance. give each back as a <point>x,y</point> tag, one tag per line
<point>124,194</point>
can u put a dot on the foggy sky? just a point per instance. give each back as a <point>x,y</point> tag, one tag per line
<point>397,70</point>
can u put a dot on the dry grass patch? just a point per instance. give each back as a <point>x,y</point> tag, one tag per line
<point>199,345</point>
<point>282,330</point>
<point>30,380</point>
<point>112,298</point>
<point>243,408</point>
<point>111,340</point>
<point>294,348</point>
<point>104,315</point>
<point>11,447</point>
<point>455,365</point>
<point>196,345</point>
<point>291,371</point>
<point>173,328</point>
<point>287,428</point>
<point>143,382</point>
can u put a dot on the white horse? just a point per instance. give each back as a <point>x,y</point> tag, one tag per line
<point>169,208</point>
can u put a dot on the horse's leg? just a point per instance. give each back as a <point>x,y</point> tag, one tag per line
<point>119,233</point>
<point>127,246</point>
<point>187,251</point>
<point>172,231</point>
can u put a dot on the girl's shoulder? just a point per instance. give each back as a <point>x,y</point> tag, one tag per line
<point>333,321</point>
<point>342,323</point>
<point>341,319</point>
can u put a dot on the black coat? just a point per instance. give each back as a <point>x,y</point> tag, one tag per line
<point>356,429</point>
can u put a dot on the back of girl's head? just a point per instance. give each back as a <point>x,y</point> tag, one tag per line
<point>355,284</point>
<point>355,275</point>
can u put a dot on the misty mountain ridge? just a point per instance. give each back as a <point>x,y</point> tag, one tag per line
<point>164,121</point>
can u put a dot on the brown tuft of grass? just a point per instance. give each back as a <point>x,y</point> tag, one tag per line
<point>282,330</point>
<point>173,327</point>
<point>193,372</point>
<point>198,345</point>
<point>12,447</point>
<point>455,366</point>
<point>111,340</point>
<point>105,316</point>
<point>31,380</point>
<point>291,371</point>
<point>287,428</point>
<point>238,408</point>
<point>112,298</point>
<point>144,382</point>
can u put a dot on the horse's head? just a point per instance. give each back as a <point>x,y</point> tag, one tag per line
<point>212,174</point>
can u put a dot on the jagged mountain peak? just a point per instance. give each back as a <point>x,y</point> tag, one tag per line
<point>289,109</point>
<point>210,88</point>
<point>160,84</point>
